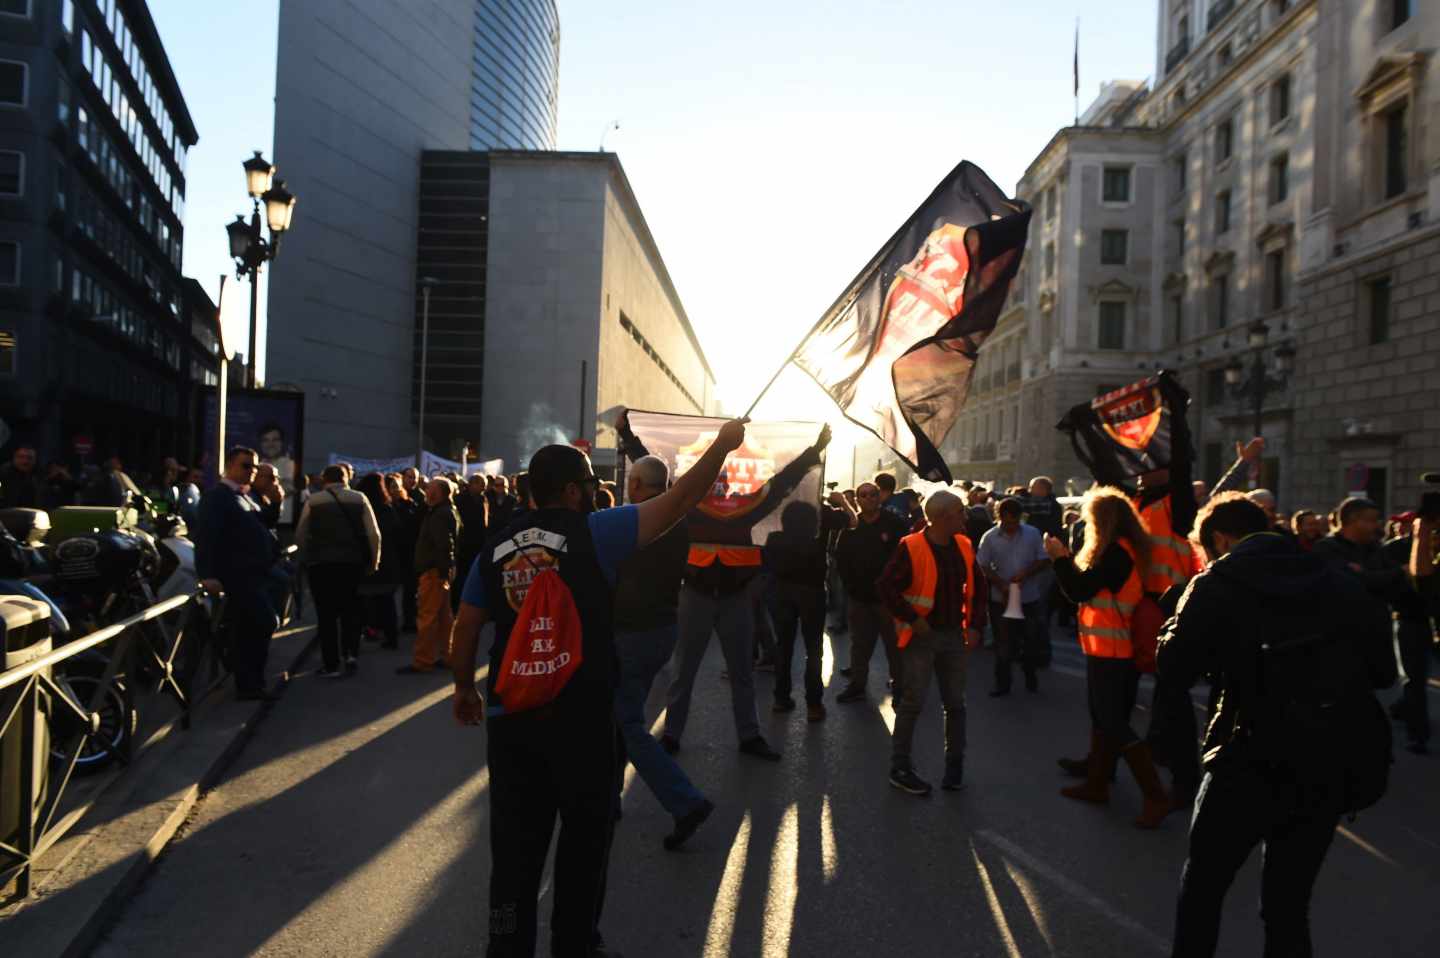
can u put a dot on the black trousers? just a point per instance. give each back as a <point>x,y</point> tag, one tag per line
<point>336,587</point>
<point>1111,686</point>
<point>1173,734</point>
<point>407,601</point>
<point>1414,641</point>
<point>1017,639</point>
<point>380,614</point>
<point>543,766</point>
<point>1237,809</point>
<point>250,621</point>
<point>793,605</point>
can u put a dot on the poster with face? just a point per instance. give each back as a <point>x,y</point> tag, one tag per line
<point>271,422</point>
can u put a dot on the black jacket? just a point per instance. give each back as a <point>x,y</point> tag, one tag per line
<point>1266,591</point>
<point>864,551</point>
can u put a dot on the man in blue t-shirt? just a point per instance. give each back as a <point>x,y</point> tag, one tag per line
<point>559,758</point>
<point>1013,553</point>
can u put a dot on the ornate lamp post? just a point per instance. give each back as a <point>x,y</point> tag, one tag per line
<point>248,247</point>
<point>1260,380</point>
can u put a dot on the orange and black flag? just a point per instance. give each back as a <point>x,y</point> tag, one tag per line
<point>1124,434</point>
<point>897,349</point>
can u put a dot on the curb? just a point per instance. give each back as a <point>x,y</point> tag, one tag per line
<point>88,931</point>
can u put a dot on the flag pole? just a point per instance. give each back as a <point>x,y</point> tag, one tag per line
<point>1077,71</point>
<point>793,353</point>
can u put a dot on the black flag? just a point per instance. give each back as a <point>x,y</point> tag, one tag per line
<point>896,351</point>
<point>1126,433</point>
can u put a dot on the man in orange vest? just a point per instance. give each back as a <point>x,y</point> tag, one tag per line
<point>930,588</point>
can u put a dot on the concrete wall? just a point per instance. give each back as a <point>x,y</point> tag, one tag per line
<point>362,86</point>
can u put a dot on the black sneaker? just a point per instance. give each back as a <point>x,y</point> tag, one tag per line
<point>846,671</point>
<point>685,825</point>
<point>331,673</point>
<point>783,705</point>
<point>352,664</point>
<point>906,780</point>
<point>851,694</point>
<point>954,779</point>
<point>999,693</point>
<point>670,744</point>
<point>757,747</point>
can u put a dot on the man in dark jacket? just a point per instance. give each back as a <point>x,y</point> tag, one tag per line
<point>235,554</point>
<point>860,556</point>
<point>20,486</point>
<point>1287,636</point>
<point>435,569</point>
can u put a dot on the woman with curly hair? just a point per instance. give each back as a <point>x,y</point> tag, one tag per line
<point>1106,581</point>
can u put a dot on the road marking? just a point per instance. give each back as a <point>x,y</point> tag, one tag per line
<point>1366,846</point>
<point>780,896</point>
<point>727,897</point>
<point>1032,901</point>
<point>827,661</point>
<point>996,912</point>
<point>1072,888</point>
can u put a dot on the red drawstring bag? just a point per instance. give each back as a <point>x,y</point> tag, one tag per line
<point>544,647</point>
<point>1145,625</point>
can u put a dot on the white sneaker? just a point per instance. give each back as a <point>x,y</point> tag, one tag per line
<point>331,674</point>
<point>351,663</point>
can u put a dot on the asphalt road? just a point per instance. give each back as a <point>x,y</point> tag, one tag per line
<point>356,823</point>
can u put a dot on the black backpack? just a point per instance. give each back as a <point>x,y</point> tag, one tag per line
<point>1322,720</point>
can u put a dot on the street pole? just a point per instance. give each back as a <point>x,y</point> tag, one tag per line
<point>1259,380</point>
<point>584,375</point>
<point>424,361</point>
<point>254,304</point>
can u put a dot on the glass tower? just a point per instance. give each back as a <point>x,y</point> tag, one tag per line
<point>515,75</point>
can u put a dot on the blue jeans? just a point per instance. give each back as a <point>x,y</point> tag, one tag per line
<point>732,619</point>
<point>642,656</point>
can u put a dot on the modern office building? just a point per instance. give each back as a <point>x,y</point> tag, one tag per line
<point>552,304</point>
<point>94,132</point>
<point>363,88</point>
<point>1282,171</point>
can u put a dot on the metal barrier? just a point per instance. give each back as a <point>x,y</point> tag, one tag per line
<point>25,688</point>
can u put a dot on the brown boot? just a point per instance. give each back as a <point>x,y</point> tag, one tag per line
<point>1078,767</point>
<point>1157,799</point>
<point>1096,787</point>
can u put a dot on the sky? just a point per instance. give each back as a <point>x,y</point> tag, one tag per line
<point>773,146</point>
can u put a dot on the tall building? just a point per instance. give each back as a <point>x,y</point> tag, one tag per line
<point>1282,170</point>
<point>95,342</point>
<point>546,259</point>
<point>363,88</point>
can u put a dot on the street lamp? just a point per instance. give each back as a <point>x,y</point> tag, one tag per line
<point>1259,382</point>
<point>426,284</point>
<point>248,247</point>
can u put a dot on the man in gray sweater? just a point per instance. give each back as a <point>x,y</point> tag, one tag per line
<point>339,543</point>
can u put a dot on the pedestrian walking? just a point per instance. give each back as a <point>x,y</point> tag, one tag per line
<point>378,590</point>
<point>435,570</point>
<point>1298,738</point>
<point>235,554</point>
<point>473,507</point>
<point>861,555</point>
<point>647,601</point>
<point>1106,581</point>
<point>557,759</point>
<point>795,556</point>
<point>930,585</point>
<point>1012,555</point>
<point>339,544</point>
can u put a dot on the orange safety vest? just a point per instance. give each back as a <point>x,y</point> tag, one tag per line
<point>704,554</point>
<point>1172,557</point>
<point>1105,619</point>
<point>925,575</point>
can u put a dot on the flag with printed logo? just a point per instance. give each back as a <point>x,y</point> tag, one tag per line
<point>1123,434</point>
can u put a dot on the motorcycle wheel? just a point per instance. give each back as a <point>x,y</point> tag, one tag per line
<point>118,723</point>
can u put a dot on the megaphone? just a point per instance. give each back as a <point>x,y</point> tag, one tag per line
<point>1012,608</point>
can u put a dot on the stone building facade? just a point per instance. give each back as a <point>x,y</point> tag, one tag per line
<point>1283,170</point>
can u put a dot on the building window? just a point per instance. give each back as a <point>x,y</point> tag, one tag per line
<point>1214,391</point>
<point>14,79</point>
<point>1275,279</point>
<point>9,263</point>
<point>1220,300</point>
<point>12,173</point>
<point>7,352</point>
<point>1399,12</point>
<point>15,8</point>
<point>1050,204</point>
<point>1224,140</point>
<point>1179,237</point>
<point>1117,184</point>
<point>1377,303</point>
<point>1113,245</point>
<point>1222,213</point>
<point>1112,325</point>
<point>1397,146</point>
<point>1280,99</point>
<point>1279,178</point>
<point>1049,260</point>
<point>1177,318</point>
<point>1181,173</point>
<point>1225,56</point>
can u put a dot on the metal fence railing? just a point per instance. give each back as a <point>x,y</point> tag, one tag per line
<point>167,653</point>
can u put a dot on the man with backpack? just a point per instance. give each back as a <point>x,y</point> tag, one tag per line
<point>1298,737</point>
<point>547,581</point>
